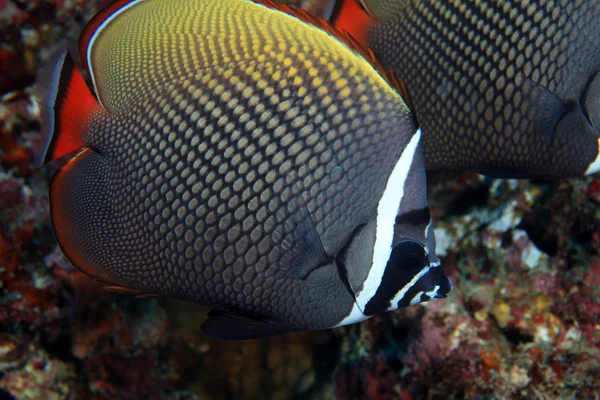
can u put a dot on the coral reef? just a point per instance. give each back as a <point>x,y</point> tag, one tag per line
<point>522,322</point>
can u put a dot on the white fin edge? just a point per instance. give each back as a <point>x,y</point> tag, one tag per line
<point>330,5</point>
<point>88,52</point>
<point>366,7</point>
<point>46,93</point>
<point>427,228</point>
<point>595,166</point>
<point>355,315</point>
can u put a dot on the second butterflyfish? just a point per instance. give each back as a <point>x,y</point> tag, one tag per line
<point>506,88</point>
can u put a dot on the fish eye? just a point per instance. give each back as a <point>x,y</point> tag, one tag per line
<point>408,255</point>
<point>407,260</point>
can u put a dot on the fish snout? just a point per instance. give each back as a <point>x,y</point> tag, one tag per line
<point>445,287</point>
<point>432,285</point>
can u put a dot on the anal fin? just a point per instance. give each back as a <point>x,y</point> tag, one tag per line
<point>228,326</point>
<point>133,292</point>
<point>545,109</point>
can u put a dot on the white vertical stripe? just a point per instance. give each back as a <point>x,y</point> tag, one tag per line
<point>356,315</point>
<point>387,210</point>
<point>400,295</point>
<point>88,54</point>
<point>427,237</point>
<point>595,166</point>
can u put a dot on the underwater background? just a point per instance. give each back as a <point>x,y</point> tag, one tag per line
<point>523,321</point>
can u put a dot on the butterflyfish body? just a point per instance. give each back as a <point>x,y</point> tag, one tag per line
<point>507,88</point>
<point>242,155</point>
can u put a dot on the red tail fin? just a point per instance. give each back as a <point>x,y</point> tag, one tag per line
<point>66,107</point>
<point>350,16</point>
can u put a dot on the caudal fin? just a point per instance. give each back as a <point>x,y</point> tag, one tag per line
<point>66,107</point>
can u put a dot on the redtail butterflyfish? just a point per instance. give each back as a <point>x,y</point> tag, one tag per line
<point>243,155</point>
<point>506,88</point>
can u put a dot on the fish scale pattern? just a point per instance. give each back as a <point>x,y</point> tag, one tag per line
<point>478,73</point>
<point>382,8</point>
<point>217,177</point>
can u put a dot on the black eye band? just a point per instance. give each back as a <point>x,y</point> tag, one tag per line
<point>408,258</point>
<point>417,217</point>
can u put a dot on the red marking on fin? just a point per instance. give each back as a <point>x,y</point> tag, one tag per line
<point>348,38</point>
<point>120,289</point>
<point>91,28</point>
<point>125,290</point>
<point>66,106</point>
<point>358,34</point>
<point>350,16</point>
<point>400,85</point>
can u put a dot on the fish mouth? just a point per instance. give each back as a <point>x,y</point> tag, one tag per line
<point>433,284</point>
<point>444,286</point>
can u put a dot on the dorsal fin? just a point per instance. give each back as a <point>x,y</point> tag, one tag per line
<point>349,40</point>
<point>321,23</point>
<point>86,38</point>
<point>400,85</point>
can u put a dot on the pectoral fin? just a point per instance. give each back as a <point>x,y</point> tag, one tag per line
<point>300,248</point>
<point>590,102</point>
<point>545,109</point>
